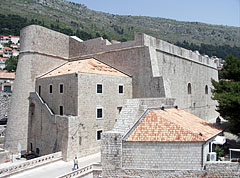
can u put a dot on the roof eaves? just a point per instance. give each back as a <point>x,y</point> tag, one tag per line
<point>41,75</point>
<point>94,57</point>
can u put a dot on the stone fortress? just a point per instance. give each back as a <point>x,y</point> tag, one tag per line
<point>67,91</point>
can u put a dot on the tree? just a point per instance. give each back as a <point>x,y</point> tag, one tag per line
<point>227,92</point>
<point>11,64</point>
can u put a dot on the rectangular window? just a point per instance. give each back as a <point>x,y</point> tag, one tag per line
<point>80,140</point>
<point>61,88</point>
<point>61,110</point>
<point>99,134</point>
<point>99,88</point>
<point>39,90</point>
<point>50,88</point>
<point>99,113</point>
<point>120,90</point>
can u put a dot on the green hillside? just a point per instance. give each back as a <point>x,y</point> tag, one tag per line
<point>76,19</point>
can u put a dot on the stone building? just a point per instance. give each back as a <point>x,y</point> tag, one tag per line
<point>161,73</point>
<point>73,104</point>
<point>163,139</point>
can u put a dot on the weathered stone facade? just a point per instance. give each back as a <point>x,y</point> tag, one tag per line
<point>212,170</point>
<point>74,133</point>
<point>158,69</point>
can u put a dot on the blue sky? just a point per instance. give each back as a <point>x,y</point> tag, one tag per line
<point>221,12</point>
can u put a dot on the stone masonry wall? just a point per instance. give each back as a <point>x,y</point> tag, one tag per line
<point>110,101</point>
<point>68,99</point>
<point>5,99</point>
<point>163,156</point>
<point>112,166</point>
<point>41,51</point>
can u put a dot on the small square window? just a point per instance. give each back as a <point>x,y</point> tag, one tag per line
<point>61,110</point>
<point>99,113</point>
<point>120,89</point>
<point>99,88</point>
<point>61,88</point>
<point>99,134</point>
<point>50,88</point>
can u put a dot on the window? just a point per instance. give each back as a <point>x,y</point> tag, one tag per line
<point>61,88</point>
<point>80,140</point>
<point>99,134</point>
<point>99,88</point>
<point>61,110</point>
<point>206,89</point>
<point>99,113</point>
<point>119,109</point>
<point>50,88</point>
<point>39,90</point>
<point>189,88</point>
<point>120,89</point>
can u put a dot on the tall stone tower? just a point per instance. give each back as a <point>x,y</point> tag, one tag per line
<point>41,50</point>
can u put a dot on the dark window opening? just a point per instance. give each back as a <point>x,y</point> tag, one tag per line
<point>61,88</point>
<point>61,110</point>
<point>99,135</point>
<point>99,88</point>
<point>37,151</point>
<point>80,140</point>
<point>189,88</point>
<point>39,90</point>
<point>50,88</point>
<point>206,89</point>
<point>119,109</point>
<point>99,113</point>
<point>120,90</point>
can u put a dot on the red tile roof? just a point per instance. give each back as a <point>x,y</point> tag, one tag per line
<point>172,125</point>
<point>7,75</point>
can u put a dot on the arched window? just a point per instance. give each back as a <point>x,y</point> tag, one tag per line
<point>189,88</point>
<point>206,89</point>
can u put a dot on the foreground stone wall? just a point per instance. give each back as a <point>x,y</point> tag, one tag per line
<point>163,156</point>
<point>5,99</point>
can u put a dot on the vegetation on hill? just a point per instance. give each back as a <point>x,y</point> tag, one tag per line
<point>227,92</point>
<point>76,19</point>
<point>72,16</point>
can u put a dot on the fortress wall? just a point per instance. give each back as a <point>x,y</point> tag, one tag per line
<point>166,47</point>
<point>177,70</point>
<point>177,73</point>
<point>30,65</point>
<point>100,45</point>
<point>136,62</point>
<point>35,38</point>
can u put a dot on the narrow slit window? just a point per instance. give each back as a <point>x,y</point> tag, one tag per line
<point>50,88</point>
<point>206,89</point>
<point>99,134</point>
<point>61,88</point>
<point>120,89</point>
<point>99,88</point>
<point>99,113</point>
<point>61,110</point>
<point>189,88</point>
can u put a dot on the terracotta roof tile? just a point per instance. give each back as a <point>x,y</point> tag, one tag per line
<point>89,65</point>
<point>7,75</point>
<point>172,125</point>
